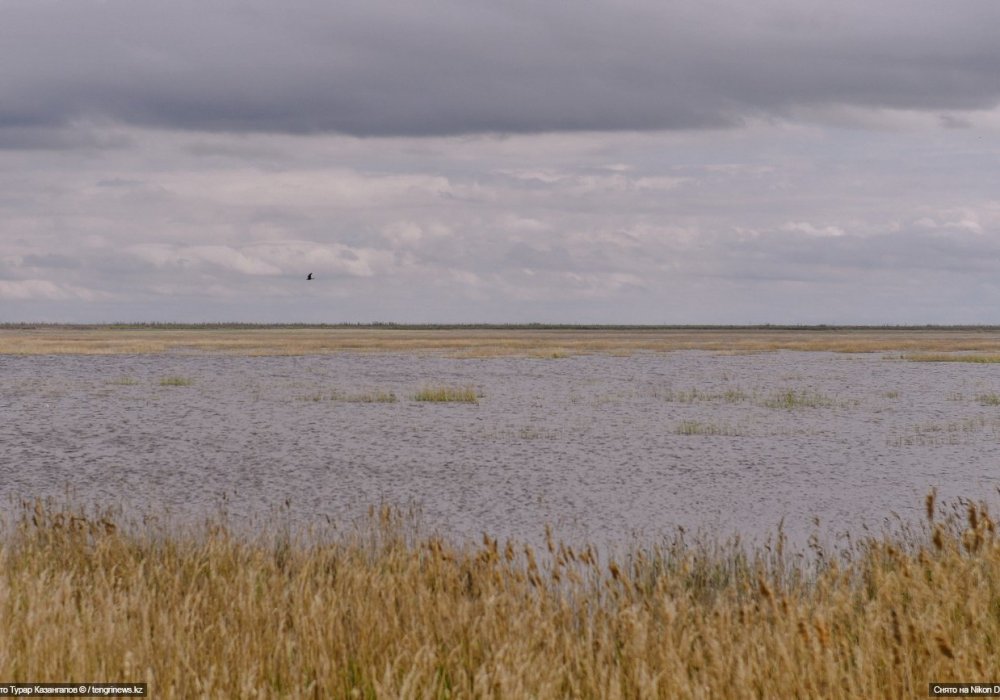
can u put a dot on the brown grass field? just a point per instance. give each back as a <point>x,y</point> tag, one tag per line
<point>918,344</point>
<point>382,611</point>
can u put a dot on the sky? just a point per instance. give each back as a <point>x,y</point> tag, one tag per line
<point>646,162</point>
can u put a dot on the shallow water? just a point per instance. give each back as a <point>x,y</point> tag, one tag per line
<point>594,445</point>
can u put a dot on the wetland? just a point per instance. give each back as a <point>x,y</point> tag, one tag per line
<point>600,437</point>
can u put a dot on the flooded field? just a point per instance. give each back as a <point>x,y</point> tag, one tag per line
<point>601,447</point>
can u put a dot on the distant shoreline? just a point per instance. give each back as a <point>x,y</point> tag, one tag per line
<point>377,326</point>
<point>937,343</point>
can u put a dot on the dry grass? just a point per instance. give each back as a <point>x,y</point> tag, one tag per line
<point>790,399</point>
<point>785,398</point>
<point>489,342</point>
<point>950,433</point>
<point>695,395</point>
<point>951,357</point>
<point>989,399</point>
<point>383,612</point>
<point>444,393</point>
<point>375,396</point>
<point>176,381</point>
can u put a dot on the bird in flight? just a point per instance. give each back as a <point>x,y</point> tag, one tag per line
<point>309,276</point>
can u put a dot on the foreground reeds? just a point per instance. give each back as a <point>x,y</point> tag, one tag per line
<point>383,612</point>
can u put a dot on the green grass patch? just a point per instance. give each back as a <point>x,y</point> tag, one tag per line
<point>124,381</point>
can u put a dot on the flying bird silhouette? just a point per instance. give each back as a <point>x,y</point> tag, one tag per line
<point>309,276</point>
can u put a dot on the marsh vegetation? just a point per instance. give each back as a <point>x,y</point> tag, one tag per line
<point>698,427</point>
<point>445,393</point>
<point>963,344</point>
<point>991,398</point>
<point>948,432</point>
<point>373,396</point>
<point>790,399</point>
<point>973,358</point>
<point>597,443</point>
<point>176,381</point>
<point>786,398</point>
<point>386,606</point>
<point>384,610</point>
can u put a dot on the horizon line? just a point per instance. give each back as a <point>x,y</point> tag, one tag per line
<point>394,325</point>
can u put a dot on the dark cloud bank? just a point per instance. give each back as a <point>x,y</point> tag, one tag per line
<point>436,68</point>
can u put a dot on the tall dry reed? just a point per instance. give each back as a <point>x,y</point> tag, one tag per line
<point>385,612</point>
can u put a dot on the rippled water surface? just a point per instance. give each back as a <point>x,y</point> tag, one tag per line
<point>601,447</point>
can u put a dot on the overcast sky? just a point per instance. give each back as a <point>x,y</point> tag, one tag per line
<point>709,161</point>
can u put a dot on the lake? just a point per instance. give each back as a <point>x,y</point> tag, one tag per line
<point>603,448</point>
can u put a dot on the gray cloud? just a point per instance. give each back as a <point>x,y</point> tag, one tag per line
<point>448,67</point>
<point>773,223</point>
<point>500,161</point>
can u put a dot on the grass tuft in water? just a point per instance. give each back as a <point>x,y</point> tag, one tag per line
<point>358,397</point>
<point>951,433</point>
<point>365,397</point>
<point>989,399</point>
<point>695,395</point>
<point>791,399</point>
<point>176,381</point>
<point>124,381</point>
<point>440,393</point>
<point>697,427</point>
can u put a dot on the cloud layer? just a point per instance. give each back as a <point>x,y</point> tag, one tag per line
<point>447,67</point>
<point>626,162</point>
<point>767,224</point>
